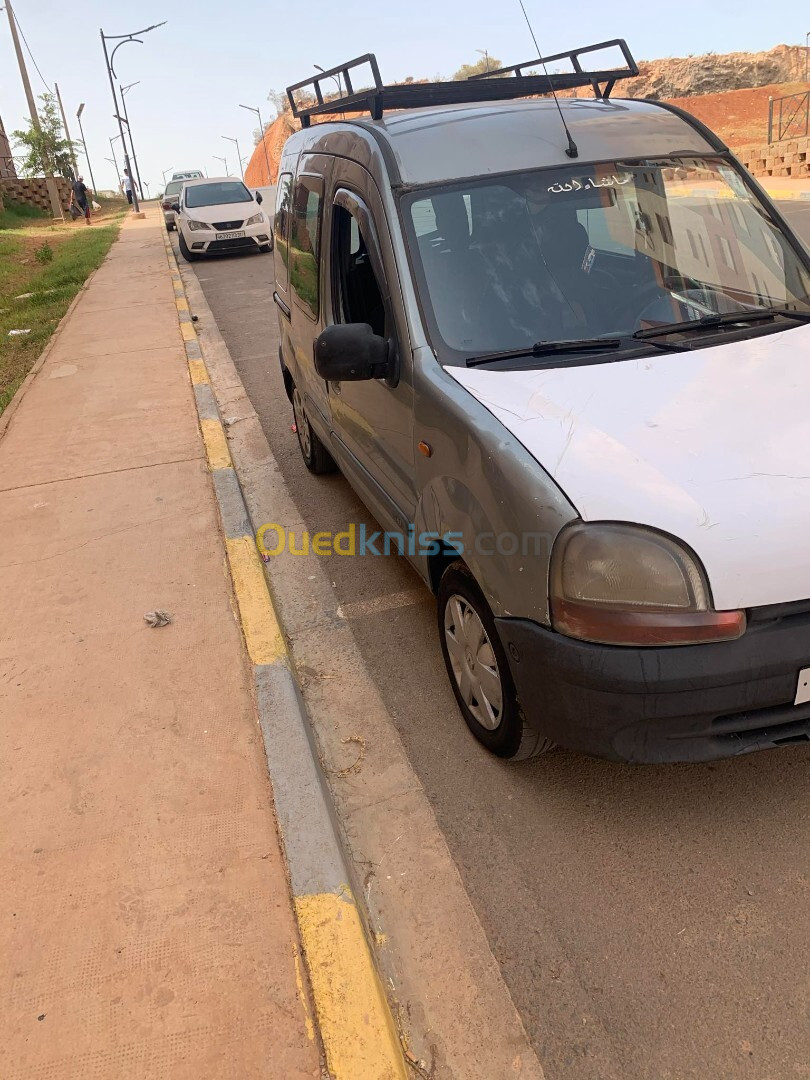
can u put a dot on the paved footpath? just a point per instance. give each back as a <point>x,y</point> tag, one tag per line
<point>146,925</point>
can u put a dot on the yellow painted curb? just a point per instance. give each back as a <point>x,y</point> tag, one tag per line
<point>265,642</point>
<point>196,369</point>
<point>187,330</point>
<point>216,445</point>
<point>353,1016</point>
<point>181,303</point>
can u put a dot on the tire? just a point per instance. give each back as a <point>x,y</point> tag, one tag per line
<point>265,249</point>
<point>479,671</point>
<point>316,457</point>
<point>189,256</point>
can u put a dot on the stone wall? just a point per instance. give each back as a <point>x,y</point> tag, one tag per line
<point>790,158</point>
<point>33,191</point>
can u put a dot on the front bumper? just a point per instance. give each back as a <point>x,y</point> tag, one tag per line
<point>684,703</point>
<point>203,242</point>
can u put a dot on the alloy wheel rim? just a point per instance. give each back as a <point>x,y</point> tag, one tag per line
<point>473,662</point>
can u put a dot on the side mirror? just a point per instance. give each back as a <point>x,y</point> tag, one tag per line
<point>259,198</point>
<point>351,352</point>
<point>176,207</point>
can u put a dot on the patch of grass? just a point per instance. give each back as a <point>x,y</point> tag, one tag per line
<point>52,287</point>
<point>44,253</point>
<point>17,215</point>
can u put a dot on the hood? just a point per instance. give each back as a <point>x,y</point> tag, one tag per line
<point>239,211</point>
<point>712,447</point>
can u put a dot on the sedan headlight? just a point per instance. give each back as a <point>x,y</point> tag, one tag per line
<point>627,585</point>
<point>257,219</point>
<point>196,225</point>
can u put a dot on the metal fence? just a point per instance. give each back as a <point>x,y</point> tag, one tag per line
<point>788,116</point>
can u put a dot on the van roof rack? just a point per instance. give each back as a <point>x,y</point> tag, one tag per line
<point>501,84</point>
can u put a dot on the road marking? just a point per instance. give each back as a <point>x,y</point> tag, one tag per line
<point>196,369</point>
<point>361,609</point>
<point>216,445</point>
<point>355,1023</point>
<point>263,637</point>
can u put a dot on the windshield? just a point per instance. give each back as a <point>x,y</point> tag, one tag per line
<point>219,191</point>
<point>595,251</point>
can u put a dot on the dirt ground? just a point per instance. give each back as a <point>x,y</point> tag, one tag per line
<point>739,117</point>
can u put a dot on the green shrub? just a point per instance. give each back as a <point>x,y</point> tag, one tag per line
<point>44,253</point>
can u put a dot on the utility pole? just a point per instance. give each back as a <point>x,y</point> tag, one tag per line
<point>84,144</point>
<point>264,144</point>
<point>53,190</point>
<point>67,133</point>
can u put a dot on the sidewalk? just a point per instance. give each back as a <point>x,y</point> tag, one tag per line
<point>781,187</point>
<point>147,925</point>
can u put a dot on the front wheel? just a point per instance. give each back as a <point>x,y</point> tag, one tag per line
<point>189,256</point>
<point>479,671</point>
<point>316,457</point>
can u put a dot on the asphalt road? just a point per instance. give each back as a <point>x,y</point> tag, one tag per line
<point>651,923</point>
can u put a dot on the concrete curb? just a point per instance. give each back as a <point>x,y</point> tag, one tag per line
<point>783,194</point>
<point>353,1014</point>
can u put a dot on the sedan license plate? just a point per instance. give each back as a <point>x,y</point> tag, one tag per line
<point>230,235</point>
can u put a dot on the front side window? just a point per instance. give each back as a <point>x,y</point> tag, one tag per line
<point>173,187</point>
<point>595,251</point>
<point>305,241</point>
<point>357,294</point>
<point>216,193</point>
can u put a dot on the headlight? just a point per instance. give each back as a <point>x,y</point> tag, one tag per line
<point>626,585</point>
<point>257,219</point>
<point>195,225</point>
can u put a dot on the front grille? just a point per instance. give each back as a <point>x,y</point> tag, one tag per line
<point>231,245</point>
<point>774,726</point>
<point>226,226</point>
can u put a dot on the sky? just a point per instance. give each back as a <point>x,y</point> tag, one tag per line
<point>213,55</point>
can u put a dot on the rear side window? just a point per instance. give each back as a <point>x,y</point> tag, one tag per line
<point>305,241</point>
<point>281,227</point>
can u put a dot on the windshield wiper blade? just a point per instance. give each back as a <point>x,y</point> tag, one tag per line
<point>550,348</point>
<point>724,319</point>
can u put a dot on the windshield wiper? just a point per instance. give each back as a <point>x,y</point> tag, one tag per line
<point>724,319</point>
<point>550,348</point>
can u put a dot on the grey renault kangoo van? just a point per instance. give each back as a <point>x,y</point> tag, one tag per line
<point>560,346</point>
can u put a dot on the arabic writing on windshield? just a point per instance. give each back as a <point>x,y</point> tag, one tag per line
<point>590,183</point>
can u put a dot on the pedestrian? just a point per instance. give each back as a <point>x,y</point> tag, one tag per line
<point>129,184</point>
<point>81,197</point>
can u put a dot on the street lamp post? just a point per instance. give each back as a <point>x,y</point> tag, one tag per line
<point>238,155</point>
<point>224,161</point>
<point>485,55</point>
<point>164,174</point>
<point>335,77</point>
<point>123,39</point>
<point>264,144</point>
<point>129,129</point>
<point>115,159</point>
<point>84,145</point>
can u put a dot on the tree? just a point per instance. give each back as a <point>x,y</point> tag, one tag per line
<point>48,148</point>
<point>486,63</point>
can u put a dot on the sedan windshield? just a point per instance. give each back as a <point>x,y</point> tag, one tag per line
<point>217,192</point>
<point>596,251</point>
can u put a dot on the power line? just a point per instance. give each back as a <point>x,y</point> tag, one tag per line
<point>28,49</point>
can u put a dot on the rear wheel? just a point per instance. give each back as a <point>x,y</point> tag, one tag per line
<point>316,457</point>
<point>479,671</point>
<point>189,256</point>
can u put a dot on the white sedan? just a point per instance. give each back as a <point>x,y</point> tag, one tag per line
<point>219,214</point>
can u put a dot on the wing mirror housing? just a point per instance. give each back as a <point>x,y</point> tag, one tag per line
<point>352,352</point>
<point>259,198</point>
<point>176,207</point>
